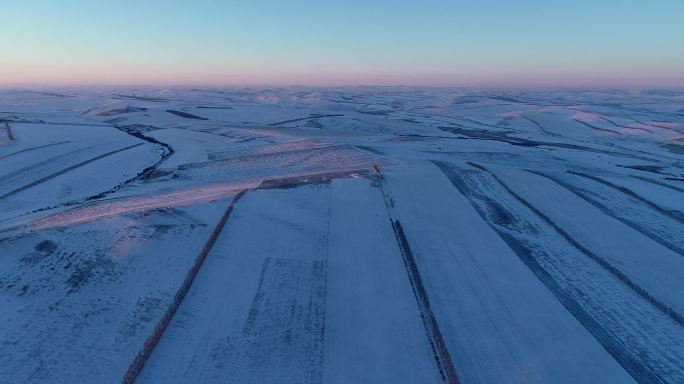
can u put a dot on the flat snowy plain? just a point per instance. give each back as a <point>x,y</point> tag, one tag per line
<point>356,235</point>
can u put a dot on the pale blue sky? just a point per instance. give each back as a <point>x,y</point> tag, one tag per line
<point>306,42</point>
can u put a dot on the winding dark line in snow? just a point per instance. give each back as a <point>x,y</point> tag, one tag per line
<point>656,125</point>
<point>664,308</point>
<point>434,333</point>
<point>32,149</point>
<point>597,128</point>
<point>65,170</point>
<point>625,126</point>
<point>676,215</point>
<point>535,122</point>
<point>148,347</point>
<point>168,152</point>
<point>632,364</point>
<point>582,195</point>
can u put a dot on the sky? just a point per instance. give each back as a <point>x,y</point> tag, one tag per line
<point>483,43</point>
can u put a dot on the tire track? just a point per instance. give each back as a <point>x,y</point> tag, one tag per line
<point>167,150</point>
<point>679,216</point>
<point>536,257</point>
<point>65,170</point>
<point>639,228</point>
<point>23,171</point>
<point>32,149</point>
<point>664,308</point>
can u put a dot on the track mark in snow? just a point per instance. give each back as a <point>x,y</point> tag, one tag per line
<point>573,285</point>
<point>65,170</point>
<point>679,216</point>
<point>666,309</point>
<point>32,149</point>
<point>22,172</point>
<point>639,228</point>
<point>597,128</point>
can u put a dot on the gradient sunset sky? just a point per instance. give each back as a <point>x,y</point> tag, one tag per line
<point>508,43</point>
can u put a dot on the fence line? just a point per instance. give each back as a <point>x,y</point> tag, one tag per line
<point>9,131</point>
<point>141,358</point>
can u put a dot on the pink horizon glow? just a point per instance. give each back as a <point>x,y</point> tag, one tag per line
<point>488,77</point>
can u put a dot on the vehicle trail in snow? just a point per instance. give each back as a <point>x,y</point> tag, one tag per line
<point>32,149</point>
<point>65,170</point>
<point>632,224</point>
<point>666,309</point>
<point>679,216</point>
<point>582,289</point>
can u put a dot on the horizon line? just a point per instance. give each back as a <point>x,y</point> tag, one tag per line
<point>189,86</point>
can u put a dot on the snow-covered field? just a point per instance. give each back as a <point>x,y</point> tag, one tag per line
<point>355,235</point>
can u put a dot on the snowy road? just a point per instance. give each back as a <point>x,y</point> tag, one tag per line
<point>375,235</point>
